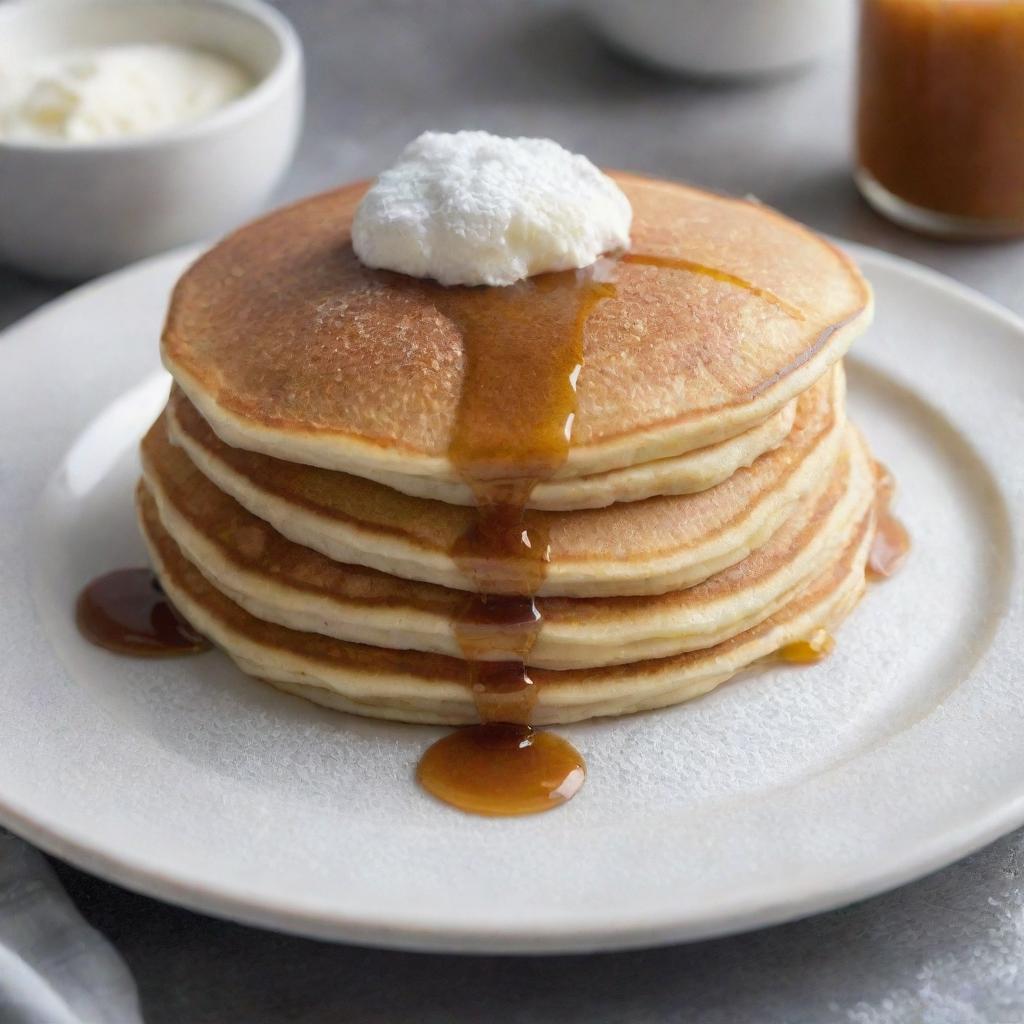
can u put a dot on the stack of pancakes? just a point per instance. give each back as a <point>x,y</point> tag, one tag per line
<point>303,502</point>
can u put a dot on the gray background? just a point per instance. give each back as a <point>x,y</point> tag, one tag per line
<point>946,950</point>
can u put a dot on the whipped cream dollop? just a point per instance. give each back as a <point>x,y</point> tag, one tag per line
<point>114,92</point>
<point>473,208</point>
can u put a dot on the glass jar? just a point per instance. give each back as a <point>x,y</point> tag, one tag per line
<point>940,114</point>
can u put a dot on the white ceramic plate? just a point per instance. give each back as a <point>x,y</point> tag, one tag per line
<point>787,792</point>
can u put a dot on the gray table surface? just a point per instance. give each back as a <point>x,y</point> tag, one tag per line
<point>946,950</point>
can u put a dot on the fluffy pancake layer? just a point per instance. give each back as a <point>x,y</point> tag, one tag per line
<point>724,311</point>
<point>423,687</point>
<point>282,582</point>
<point>647,547</point>
<point>692,471</point>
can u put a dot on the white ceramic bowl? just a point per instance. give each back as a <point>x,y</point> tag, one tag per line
<point>73,211</point>
<point>723,38</point>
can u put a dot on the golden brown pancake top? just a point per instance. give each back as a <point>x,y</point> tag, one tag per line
<point>280,328</point>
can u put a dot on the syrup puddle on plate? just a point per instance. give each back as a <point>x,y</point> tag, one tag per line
<point>501,769</point>
<point>891,543</point>
<point>126,611</point>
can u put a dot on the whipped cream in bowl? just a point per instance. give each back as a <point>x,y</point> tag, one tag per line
<point>113,92</point>
<point>129,127</point>
<point>471,208</point>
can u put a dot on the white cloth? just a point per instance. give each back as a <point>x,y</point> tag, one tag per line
<point>54,968</point>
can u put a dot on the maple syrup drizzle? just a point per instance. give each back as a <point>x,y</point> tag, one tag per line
<point>889,549</point>
<point>675,263</point>
<point>818,646</point>
<point>513,427</point>
<point>500,768</point>
<point>891,543</point>
<point>127,611</point>
<point>795,312</point>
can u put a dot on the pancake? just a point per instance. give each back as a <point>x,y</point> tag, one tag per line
<point>682,474</point>
<point>279,581</point>
<point>723,312</point>
<point>645,547</point>
<point>421,687</point>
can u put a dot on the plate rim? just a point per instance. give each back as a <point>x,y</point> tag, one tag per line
<point>525,940</point>
<point>1002,814</point>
